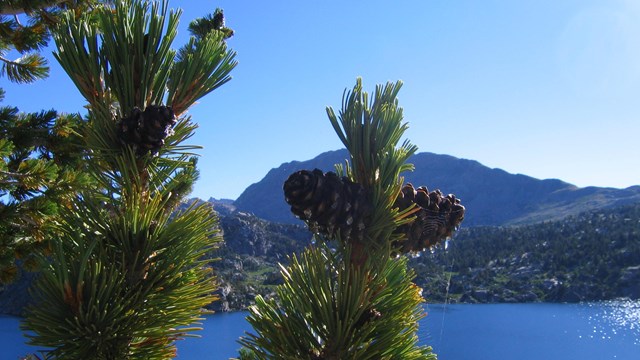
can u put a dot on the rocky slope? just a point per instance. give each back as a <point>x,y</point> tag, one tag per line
<point>249,258</point>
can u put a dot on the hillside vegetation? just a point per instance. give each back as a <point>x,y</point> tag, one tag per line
<point>591,256</point>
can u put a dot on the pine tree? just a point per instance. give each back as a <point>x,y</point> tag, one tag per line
<point>40,153</point>
<point>351,296</point>
<point>126,279</point>
<point>24,28</point>
<point>41,168</point>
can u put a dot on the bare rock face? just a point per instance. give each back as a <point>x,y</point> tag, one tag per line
<point>246,234</point>
<point>222,304</point>
<point>249,256</point>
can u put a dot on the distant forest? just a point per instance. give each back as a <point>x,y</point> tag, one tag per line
<point>591,256</point>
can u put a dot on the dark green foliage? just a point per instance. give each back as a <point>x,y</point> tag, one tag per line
<point>184,77</point>
<point>40,153</point>
<point>329,309</point>
<point>131,281</point>
<point>41,169</point>
<point>210,23</point>
<point>30,35</point>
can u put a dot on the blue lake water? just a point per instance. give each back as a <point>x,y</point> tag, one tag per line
<point>593,331</point>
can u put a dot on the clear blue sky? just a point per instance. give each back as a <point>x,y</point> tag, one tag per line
<point>545,88</point>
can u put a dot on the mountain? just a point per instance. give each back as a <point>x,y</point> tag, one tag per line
<point>491,196</point>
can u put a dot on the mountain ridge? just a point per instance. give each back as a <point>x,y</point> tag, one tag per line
<point>492,196</point>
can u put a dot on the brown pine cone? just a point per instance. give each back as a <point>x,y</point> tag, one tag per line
<point>435,220</point>
<point>147,130</point>
<point>332,206</point>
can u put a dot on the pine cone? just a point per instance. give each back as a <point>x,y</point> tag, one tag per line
<point>218,19</point>
<point>146,130</point>
<point>330,205</point>
<point>435,220</point>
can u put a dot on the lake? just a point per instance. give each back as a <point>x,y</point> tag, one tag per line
<point>589,331</point>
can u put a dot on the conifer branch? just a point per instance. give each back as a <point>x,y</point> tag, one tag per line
<point>25,69</point>
<point>22,7</point>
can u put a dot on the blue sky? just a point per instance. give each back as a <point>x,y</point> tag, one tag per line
<point>549,89</point>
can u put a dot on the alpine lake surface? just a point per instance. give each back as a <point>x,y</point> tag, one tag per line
<point>585,331</point>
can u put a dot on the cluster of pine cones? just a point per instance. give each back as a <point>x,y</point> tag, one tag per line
<point>331,206</point>
<point>436,219</point>
<point>146,130</point>
<point>337,207</point>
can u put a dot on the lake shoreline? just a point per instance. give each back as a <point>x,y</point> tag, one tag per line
<point>426,303</point>
<point>589,331</point>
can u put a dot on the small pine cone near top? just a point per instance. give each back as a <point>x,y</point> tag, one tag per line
<point>436,218</point>
<point>330,205</point>
<point>218,20</point>
<point>146,130</point>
